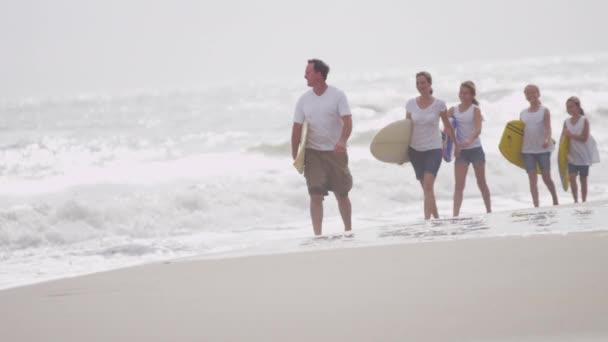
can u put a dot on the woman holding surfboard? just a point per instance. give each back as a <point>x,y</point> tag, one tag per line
<point>537,143</point>
<point>580,155</point>
<point>425,145</point>
<point>468,120</point>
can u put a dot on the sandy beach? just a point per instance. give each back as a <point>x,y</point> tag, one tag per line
<point>147,187</point>
<point>537,288</point>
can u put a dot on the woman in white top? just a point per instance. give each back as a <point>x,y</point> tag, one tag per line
<point>579,154</point>
<point>537,144</point>
<point>425,145</point>
<point>467,122</point>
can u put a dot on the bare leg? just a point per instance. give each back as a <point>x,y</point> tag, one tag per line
<point>345,211</point>
<point>460,177</point>
<point>533,187</point>
<point>550,185</point>
<point>584,188</point>
<point>574,187</point>
<point>316,213</point>
<point>424,199</point>
<point>480,174</point>
<point>430,206</point>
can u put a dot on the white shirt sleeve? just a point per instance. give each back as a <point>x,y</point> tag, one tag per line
<point>408,106</point>
<point>441,106</point>
<point>343,107</point>
<point>298,116</point>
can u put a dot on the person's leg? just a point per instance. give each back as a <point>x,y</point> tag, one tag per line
<point>341,182</point>
<point>584,188</point>
<point>431,167</point>
<point>424,210</point>
<point>533,178</point>
<point>574,187</point>
<point>550,185</point>
<point>417,161</point>
<point>316,213</point>
<point>480,175</point>
<point>584,175</point>
<point>572,173</point>
<point>530,164</point>
<point>461,167</point>
<point>430,206</point>
<point>345,211</point>
<point>544,161</point>
<point>316,181</point>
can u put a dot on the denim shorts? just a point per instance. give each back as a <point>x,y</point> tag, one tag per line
<point>583,170</point>
<point>543,160</point>
<point>471,156</point>
<point>425,162</point>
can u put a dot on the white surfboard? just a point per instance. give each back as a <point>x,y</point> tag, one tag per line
<point>392,142</point>
<point>595,153</point>
<point>298,163</point>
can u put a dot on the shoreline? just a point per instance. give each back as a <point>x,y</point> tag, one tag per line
<point>386,231</point>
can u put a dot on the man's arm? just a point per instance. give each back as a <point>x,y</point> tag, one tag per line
<point>296,137</point>
<point>347,129</point>
<point>296,129</point>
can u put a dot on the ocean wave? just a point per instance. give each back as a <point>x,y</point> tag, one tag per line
<point>280,149</point>
<point>144,174</point>
<point>98,212</point>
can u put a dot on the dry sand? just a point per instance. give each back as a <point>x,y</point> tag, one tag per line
<point>542,288</point>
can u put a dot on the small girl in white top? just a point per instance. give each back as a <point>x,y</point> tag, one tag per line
<point>468,120</point>
<point>425,145</point>
<point>580,155</point>
<point>537,144</point>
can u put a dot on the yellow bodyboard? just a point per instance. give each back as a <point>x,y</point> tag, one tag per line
<point>511,143</point>
<point>562,161</point>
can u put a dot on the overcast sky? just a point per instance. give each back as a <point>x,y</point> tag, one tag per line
<point>63,47</point>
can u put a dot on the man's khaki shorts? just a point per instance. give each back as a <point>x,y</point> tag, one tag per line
<point>327,171</point>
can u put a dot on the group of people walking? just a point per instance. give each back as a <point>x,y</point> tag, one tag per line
<point>329,118</point>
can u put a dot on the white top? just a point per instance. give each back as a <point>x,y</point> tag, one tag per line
<point>534,132</point>
<point>579,152</point>
<point>324,115</point>
<point>465,126</point>
<point>425,131</point>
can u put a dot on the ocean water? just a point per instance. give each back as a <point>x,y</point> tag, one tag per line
<point>96,182</point>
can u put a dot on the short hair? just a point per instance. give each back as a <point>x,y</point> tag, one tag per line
<point>320,66</point>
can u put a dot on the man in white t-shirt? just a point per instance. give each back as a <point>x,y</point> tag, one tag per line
<point>326,110</point>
